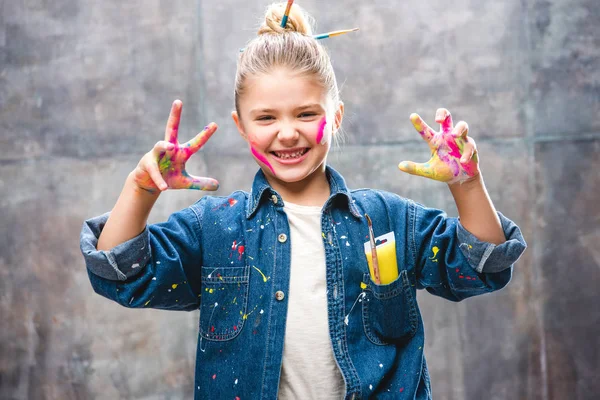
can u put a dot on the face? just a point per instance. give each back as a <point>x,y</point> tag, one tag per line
<point>288,121</point>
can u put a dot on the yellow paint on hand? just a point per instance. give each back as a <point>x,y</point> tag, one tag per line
<point>363,285</point>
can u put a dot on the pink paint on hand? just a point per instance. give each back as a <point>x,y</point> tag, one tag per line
<point>447,149</point>
<point>262,159</point>
<point>321,130</point>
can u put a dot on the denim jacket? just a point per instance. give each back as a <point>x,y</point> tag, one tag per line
<point>229,257</point>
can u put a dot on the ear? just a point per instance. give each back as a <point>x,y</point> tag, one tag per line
<point>338,117</point>
<point>238,124</point>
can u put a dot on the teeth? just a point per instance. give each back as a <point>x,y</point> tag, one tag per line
<point>290,155</point>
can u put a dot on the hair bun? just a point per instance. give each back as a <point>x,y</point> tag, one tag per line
<point>298,20</point>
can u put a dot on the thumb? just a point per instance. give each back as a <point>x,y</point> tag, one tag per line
<point>409,167</point>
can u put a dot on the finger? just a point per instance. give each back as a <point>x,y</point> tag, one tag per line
<point>156,176</point>
<point>202,183</point>
<point>467,152</point>
<point>420,169</point>
<point>173,122</point>
<point>444,118</point>
<point>162,146</point>
<point>196,143</point>
<point>424,130</point>
<point>461,130</point>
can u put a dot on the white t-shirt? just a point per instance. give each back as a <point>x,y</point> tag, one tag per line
<point>309,369</point>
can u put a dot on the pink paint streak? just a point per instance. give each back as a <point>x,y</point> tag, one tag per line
<point>262,159</point>
<point>321,130</point>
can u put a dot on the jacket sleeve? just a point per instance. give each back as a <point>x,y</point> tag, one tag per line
<point>159,268</point>
<point>453,263</point>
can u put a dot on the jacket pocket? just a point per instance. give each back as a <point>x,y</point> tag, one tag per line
<point>223,302</point>
<point>389,311</point>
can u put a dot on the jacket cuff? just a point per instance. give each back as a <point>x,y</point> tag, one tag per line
<point>490,258</point>
<point>121,262</point>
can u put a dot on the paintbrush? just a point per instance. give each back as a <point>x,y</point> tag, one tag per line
<point>286,13</point>
<point>334,33</point>
<point>373,251</point>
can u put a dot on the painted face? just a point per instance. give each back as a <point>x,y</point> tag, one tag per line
<point>288,123</point>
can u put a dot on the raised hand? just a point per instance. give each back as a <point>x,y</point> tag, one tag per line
<point>453,152</point>
<point>163,167</point>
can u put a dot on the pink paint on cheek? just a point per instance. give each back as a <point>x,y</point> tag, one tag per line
<point>262,159</point>
<point>321,130</point>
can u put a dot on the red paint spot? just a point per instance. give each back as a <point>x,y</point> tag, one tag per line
<point>235,327</point>
<point>456,269</point>
<point>214,376</point>
<point>232,202</point>
<point>212,328</point>
<point>468,278</point>
<point>241,251</point>
<point>237,398</point>
<point>461,276</point>
<point>401,390</point>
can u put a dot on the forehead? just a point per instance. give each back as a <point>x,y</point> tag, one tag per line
<point>282,88</point>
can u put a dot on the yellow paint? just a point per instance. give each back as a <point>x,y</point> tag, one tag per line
<point>263,275</point>
<point>435,250</point>
<point>386,258</point>
<point>174,286</point>
<point>146,303</point>
<point>363,285</point>
<point>211,290</point>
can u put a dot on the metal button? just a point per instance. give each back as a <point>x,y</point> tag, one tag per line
<point>282,237</point>
<point>274,198</point>
<point>279,295</point>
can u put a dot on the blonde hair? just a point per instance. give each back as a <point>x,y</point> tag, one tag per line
<point>291,46</point>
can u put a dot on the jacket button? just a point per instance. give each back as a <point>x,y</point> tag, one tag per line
<point>282,237</point>
<point>279,295</point>
<point>274,198</point>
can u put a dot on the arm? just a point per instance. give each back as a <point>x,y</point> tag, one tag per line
<point>138,265</point>
<point>128,217</point>
<point>160,169</point>
<point>476,210</point>
<point>460,258</point>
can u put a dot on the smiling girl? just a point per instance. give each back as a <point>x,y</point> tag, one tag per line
<point>306,289</point>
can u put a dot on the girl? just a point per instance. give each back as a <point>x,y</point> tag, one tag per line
<point>305,288</point>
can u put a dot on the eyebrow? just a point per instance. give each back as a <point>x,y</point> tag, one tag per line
<point>272,110</point>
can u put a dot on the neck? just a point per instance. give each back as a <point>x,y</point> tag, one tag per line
<point>313,190</point>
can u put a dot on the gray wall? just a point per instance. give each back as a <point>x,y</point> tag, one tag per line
<point>85,89</point>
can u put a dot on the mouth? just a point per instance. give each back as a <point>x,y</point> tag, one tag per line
<point>290,155</point>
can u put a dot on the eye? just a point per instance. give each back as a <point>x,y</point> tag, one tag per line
<point>264,118</point>
<point>307,115</point>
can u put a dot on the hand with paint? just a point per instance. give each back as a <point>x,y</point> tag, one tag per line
<point>453,153</point>
<point>163,167</point>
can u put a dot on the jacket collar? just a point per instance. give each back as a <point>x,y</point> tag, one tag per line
<point>262,191</point>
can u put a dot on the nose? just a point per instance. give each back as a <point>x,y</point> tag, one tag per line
<point>288,134</point>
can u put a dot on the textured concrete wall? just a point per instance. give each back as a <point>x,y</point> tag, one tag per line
<point>85,89</point>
